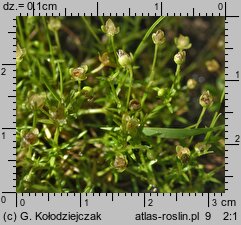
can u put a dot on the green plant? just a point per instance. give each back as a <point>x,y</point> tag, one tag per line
<point>112,104</point>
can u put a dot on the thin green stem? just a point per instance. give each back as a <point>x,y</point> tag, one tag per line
<point>45,113</point>
<point>50,46</point>
<point>178,77</point>
<point>56,37</point>
<point>141,45</point>
<point>60,82</point>
<point>79,86</point>
<point>148,169</point>
<point>91,29</point>
<point>113,47</point>
<point>92,111</point>
<point>152,74</point>
<point>175,83</point>
<point>136,174</point>
<point>130,87</point>
<point>56,136</point>
<point>215,117</point>
<point>97,69</point>
<point>117,100</point>
<point>34,118</point>
<point>22,39</point>
<point>198,122</point>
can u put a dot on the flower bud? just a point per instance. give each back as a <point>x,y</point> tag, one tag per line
<point>132,126</point>
<point>134,105</point>
<point>19,54</point>
<point>191,84</point>
<point>206,99</point>
<point>212,65</point>
<point>120,163</point>
<point>124,59</point>
<point>183,153</point>
<point>158,38</point>
<point>36,101</point>
<point>54,24</point>
<point>180,57</point>
<point>182,42</point>
<point>79,73</point>
<point>87,92</point>
<point>31,137</point>
<point>151,154</point>
<point>109,28</point>
<point>161,92</point>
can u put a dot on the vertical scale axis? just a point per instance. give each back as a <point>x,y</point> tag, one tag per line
<point>15,104</point>
<point>225,86</point>
<point>12,99</point>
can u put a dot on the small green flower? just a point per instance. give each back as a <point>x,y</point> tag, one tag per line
<point>183,153</point>
<point>182,42</point>
<point>206,99</point>
<point>124,59</point>
<point>79,73</point>
<point>109,28</point>
<point>180,57</point>
<point>158,38</point>
<point>54,24</point>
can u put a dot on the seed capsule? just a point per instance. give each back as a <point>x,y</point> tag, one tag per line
<point>120,163</point>
<point>36,101</point>
<point>132,126</point>
<point>180,57</point>
<point>182,42</point>
<point>134,105</point>
<point>105,59</point>
<point>109,28</point>
<point>124,59</point>
<point>58,114</point>
<point>183,153</point>
<point>158,38</point>
<point>206,99</point>
<point>31,137</point>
